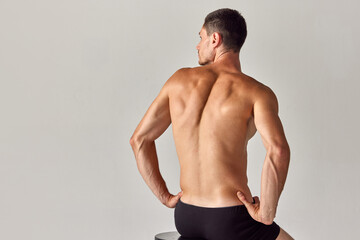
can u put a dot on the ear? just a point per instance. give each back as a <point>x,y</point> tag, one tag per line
<point>216,39</point>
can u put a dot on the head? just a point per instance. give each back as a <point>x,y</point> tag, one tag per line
<point>223,30</point>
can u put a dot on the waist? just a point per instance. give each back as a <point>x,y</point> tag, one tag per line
<point>216,198</point>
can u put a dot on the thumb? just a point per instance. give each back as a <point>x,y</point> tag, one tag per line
<point>173,200</point>
<point>242,198</point>
<point>177,196</point>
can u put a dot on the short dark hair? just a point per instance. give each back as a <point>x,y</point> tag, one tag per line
<point>230,24</point>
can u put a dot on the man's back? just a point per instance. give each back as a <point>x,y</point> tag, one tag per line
<point>214,111</point>
<point>212,120</point>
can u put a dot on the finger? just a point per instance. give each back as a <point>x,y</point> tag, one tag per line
<point>256,198</point>
<point>178,196</point>
<point>174,200</point>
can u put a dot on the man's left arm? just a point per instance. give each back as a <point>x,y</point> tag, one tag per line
<point>154,123</point>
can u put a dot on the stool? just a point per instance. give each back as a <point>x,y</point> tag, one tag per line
<point>168,236</point>
<point>172,236</point>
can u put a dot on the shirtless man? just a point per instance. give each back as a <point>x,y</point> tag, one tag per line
<point>214,110</point>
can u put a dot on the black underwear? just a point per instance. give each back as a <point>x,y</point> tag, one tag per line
<point>223,223</point>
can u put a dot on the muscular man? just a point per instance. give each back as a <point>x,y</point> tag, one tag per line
<point>214,110</point>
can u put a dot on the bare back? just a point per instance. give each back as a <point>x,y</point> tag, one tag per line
<point>212,122</point>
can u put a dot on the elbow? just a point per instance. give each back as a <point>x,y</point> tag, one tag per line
<point>280,156</point>
<point>135,141</point>
<point>285,153</point>
<point>282,152</point>
<point>132,140</point>
<point>267,219</point>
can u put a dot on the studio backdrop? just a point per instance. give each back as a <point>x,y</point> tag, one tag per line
<point>76,77</point>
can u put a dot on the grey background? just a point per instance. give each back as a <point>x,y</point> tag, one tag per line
<point>76,77</point>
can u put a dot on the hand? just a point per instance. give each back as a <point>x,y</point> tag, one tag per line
<point>253,208</point>
<point>172,200</point>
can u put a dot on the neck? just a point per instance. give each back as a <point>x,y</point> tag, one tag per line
<point>229,59</point>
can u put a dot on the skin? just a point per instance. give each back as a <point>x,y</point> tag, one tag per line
<point>214,110</point>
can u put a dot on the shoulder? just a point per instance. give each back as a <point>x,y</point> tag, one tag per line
<point>259,89</point>
<point>264,95</point>
<point>260,93</point>
<point>264,91</point>
<point>183,71</point>
<point>176,79</point>
<point>184,74</point>
<point>179,74</point>
<point>190,71</point>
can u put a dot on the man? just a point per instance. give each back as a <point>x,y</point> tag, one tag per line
<point>214,110</point>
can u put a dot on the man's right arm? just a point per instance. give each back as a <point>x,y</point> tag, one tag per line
<point>277,158</point>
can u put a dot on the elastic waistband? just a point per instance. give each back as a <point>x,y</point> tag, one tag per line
<point>213,208</point>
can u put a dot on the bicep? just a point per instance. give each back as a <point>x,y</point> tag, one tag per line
<point>267,121</point>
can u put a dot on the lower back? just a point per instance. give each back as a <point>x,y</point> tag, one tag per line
<point>213,183</point>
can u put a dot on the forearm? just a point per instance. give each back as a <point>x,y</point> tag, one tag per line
<point>273,179</point>
<point>147,163</point>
